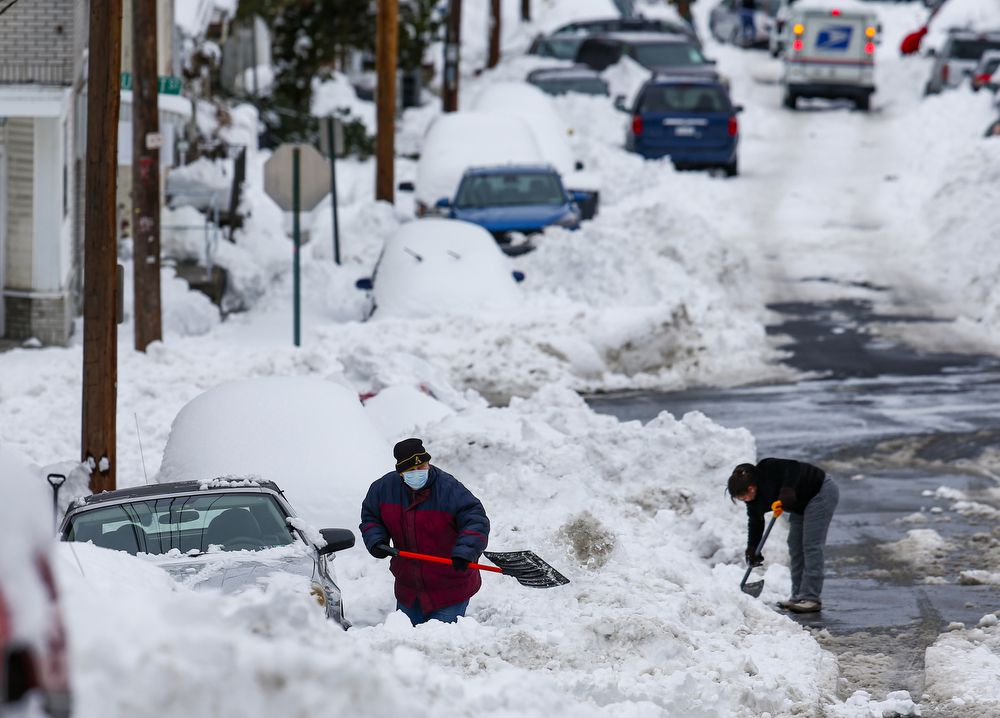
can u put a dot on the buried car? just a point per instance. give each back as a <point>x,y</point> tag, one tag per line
<point>564,80</point>
<point>435,267</point>
<point>225,534</point>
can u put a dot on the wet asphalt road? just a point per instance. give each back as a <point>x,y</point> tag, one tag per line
<point>892,426</point>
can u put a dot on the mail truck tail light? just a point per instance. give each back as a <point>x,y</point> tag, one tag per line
<point>797,45</point>
<point>835,12</point>
<point>734,126</point>
<point>870,32</point>
<point>798,28</point>
<point>870,48</point>
<point>637,125</point>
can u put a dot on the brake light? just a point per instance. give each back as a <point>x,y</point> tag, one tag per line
<point>983,78</point>
<point>734,126</point>
<point>870,48</point>
<point>835,12</point>
<point>797,45</point>
<point>944,72</point>
<point>637,125</point>
<point>870,31</point>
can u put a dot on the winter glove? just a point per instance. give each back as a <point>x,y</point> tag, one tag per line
<point>753,558</point>
<point>459,564</point>
<point>379,550</point>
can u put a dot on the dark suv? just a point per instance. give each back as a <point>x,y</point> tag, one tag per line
<point>658,52</point>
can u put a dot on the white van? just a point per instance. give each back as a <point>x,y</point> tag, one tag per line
<point>829,53</point>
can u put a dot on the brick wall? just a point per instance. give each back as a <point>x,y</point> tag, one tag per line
<point>48,319</point>
<point>37,42</point>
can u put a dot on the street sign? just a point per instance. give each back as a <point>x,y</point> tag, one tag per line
<point>324,136</point>
<point>314,177</point>
<point>165,84</point>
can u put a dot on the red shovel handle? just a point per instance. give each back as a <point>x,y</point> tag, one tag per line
<point>436,559</point>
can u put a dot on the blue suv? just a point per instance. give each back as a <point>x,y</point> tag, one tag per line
<point>514,199</point>
<point>690,120</point>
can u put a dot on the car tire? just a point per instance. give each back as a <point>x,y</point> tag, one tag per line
<point>789,100</point>
<point>732,169</point>
<point>864,104</point>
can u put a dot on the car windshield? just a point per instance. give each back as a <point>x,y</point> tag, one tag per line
<point>563,48</point>
<point>583,85</point>
<point>972,49</point>
<point>991,65</point>
<point>509,189</point>
<point>666,54</point>
<point>684,98</point>
<point>233,521</point>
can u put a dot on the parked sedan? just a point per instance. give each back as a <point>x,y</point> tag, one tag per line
<point>986,75</point>
<point>675,26</point>
<point>512,202</point>
<point>726,24</point>
<point>224,534</point>
<point>658,52</point>
<point>564,80</point>
<point>958,58</point>
<point>691,121</point>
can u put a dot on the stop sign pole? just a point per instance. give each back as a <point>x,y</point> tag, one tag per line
<point>296,271</point>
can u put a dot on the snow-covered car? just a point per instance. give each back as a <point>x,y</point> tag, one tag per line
<point>526,102</point>
<point>437,267</point>
<point>34,677</point>
<point>673,25</point>
<point>658,52</point>
<point>958,57</point>
<point>986,74</point>
<point>224,535</point>
<point>726,24</point>
<point>564,80</point>
<point>459,140</point>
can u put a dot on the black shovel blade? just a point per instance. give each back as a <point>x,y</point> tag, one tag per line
<point>527,568</point>
<point>753,588</point>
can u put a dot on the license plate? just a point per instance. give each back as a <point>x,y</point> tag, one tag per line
<point>685,131</point>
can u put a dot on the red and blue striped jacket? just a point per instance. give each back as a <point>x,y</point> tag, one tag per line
<point>442,519</point>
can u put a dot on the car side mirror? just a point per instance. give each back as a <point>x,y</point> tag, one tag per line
<point>578,166</point>
<point>405,187</point>
<point>620,103</point>
<point>443,203</point>
<point>737,109</point>
<point>365,283</point>
<point>518,276</point>
<point>579,196</point>
<point>336,540</point>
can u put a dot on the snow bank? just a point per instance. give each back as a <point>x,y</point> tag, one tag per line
<point>310,436</point>
<point>336,96</point>
<point>962,668</point>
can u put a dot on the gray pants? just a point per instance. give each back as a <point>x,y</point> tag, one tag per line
<point>807,539</point>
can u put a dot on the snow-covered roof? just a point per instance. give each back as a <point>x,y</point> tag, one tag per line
<point>436,267</point>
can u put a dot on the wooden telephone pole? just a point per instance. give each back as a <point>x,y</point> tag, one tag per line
<point>494,56</point>
<point>100,280</point>
<point>145,176</point>
<point>386,40</point>
<point>452,55</point>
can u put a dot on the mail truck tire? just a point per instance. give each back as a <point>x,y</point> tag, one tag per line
<point>863,103</point>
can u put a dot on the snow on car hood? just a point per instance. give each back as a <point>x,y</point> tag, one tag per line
<point>233,571</point>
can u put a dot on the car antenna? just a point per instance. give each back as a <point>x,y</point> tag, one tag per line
<point>143,458</point>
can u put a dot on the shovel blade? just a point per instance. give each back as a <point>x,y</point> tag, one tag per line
<point>753,588</point>
<point>527,568</point>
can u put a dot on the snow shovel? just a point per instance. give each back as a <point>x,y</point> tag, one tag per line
<point>755,588</point>
<point>911,43</point>
<point>525,566</point>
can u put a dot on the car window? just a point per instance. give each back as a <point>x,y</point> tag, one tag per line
<point>599,54</point>
<point>584,85</point>
<point>972,49</point>
<point>684,98</point>
<point>188,523</point>
<point>666,54</point>
<point>563,48</point>
<point>509,189</point>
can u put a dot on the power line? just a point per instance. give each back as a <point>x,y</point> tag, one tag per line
<point>12,4</point>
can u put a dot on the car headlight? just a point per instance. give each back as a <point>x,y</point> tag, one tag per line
<point>570,220</point>
<point>317,592</point>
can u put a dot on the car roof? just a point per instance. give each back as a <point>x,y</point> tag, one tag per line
<point>176,487</point>
<point>642,38</point>
<point>507,169</point>
<point>668,79</point>
<point>578,71</point>
<point>965,34</point>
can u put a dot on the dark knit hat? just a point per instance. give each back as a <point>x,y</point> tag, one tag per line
<point>410,453</point>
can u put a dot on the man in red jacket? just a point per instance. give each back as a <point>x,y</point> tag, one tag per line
<point>426,510</point>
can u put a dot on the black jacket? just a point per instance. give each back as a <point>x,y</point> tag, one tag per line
<point>773,475</point>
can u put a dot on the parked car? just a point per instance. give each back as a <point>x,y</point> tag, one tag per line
<point>726,24</point>
<point>34,673</point>
<point>523,101</point>
<point>512,202</point>
<point>675,26</point>
<point>564,80</point>
<point>656,51</point>
<point>958,57</point>
<point>689,120</point>
<point>561,47</point>
<point>829,54</point>
<point>438,267</point>
<point>986,75</point>
<point>192,529</point>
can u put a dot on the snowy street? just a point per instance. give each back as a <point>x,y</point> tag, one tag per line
<point>836,303</point>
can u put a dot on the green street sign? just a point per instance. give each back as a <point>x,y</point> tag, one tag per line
<point>165,84</point>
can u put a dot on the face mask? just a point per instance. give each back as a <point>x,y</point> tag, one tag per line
<point>416,479</point>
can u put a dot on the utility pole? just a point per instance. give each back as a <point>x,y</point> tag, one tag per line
<point>452,55</point>
<point>494,56</point>
<point>100,282</point>
<point>526,10</point>
<point>146,142</point>
<point>386,40</point>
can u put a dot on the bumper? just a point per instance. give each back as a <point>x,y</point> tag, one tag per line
<point>830,90</point>
<point>692,157</point>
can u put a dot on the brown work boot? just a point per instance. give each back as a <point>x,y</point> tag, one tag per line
<point>805,605</point>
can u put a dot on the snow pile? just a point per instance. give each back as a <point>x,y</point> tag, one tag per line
<point>310,436</point>
<point>962,15</point>
<point>337,96</point>
<point>203,184</point>
<point>923,548</point>
<point>962,669</point>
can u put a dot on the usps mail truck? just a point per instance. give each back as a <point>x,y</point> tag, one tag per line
<point>829,53</point>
